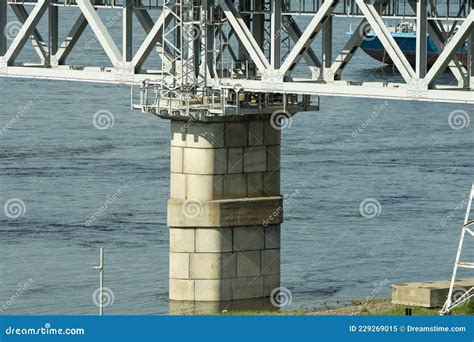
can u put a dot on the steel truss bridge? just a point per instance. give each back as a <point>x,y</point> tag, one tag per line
<point>220,57</point>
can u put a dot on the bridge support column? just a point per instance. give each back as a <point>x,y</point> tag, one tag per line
<point>225,209</point>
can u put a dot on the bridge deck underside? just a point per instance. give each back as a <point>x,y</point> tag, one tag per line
<point>261,46</point>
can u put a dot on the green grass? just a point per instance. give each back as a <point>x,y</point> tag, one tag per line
<point>264,312</point>
<point>399,310</point>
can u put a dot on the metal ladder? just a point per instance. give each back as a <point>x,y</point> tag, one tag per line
<point>466,228</point>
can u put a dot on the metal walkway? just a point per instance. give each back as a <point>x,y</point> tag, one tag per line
<point>231,57</point>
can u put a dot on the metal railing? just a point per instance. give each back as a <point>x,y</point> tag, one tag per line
<point>395,8</point>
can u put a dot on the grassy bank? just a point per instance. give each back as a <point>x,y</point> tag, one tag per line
<point>374,307</point>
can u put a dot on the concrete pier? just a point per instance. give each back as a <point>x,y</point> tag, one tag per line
<point>428,294</point>
<point>225,209</point>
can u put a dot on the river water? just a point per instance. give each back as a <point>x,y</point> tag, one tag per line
<point>404,155</point>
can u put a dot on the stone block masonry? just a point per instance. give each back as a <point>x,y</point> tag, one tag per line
<point>224,263</point>
<point>225,184</point>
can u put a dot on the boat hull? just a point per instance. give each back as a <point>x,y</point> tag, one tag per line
<point>407,43</point>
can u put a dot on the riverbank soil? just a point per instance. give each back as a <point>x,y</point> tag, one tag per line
<point>360,308</point>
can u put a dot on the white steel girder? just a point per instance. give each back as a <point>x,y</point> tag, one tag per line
<point>244,35</point>
<point>27,29</point>
<point>100,31</point>
<point>308,36</point>
<point>392,48</point>
<point>352,45</point>
<point>450,49</point>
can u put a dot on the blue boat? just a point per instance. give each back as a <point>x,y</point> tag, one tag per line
<point>405,36</point>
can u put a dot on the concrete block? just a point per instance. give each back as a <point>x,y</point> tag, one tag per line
<point>272,136</point>
<point>273,158</point>
<point>248,264</point>
<point>181,289</point>
<point>235,186</point>
<point>249,238</point>
<point>179,265</point>
<point>270,261</point>
<point>176,159</point>
<point>270,283</point>
<point>211,161</point>
<point>271,183</point>
<point>213,290</point>
<point>255,159</point>
<point>177,185</point>
<point>254,184</point>
<point>213,240</point>
<point>256,133</point>
<point>213,265</point>
<point>205,135</point>
<point>235,162</point>
<point>222,213</point>
<point>272,236</point>
<point>182,240</point>
<point>248,287</point>
<point>178,133</point>
<point>429,294</point>
<point>236,134</point>
<point>204,187</point>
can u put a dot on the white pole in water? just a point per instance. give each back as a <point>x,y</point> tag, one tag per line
<point>101,282</point>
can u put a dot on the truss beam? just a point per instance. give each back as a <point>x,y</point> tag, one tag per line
<point>100,31</point>
<point>262,46</point>
<point>308,36</point>
<point>244,35</point>
<point>27,29</point>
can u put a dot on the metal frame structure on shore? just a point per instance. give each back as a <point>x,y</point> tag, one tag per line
<point>223,56</point>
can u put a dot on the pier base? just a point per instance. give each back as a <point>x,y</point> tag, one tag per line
<point>225,209</point>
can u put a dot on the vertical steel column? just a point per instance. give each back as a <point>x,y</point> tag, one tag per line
<point>127,43</point>
<point>3,24</point>
<point>258,23</point>
<point>209,36</point>
<point>327,44</point>
<point>421,38</point>
<point>275,34</point>
<point>244,6</point>
<point>53,23</point>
